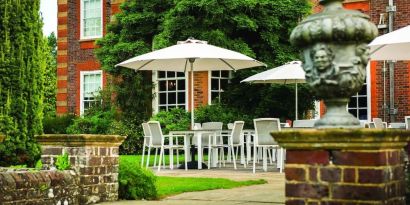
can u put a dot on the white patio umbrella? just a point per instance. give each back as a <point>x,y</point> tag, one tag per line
<point>391,46</point>
<point>290,73</point>
<point>199,54</point>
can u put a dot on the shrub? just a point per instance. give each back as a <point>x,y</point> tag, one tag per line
<point>95,121</point>
<point>136,182</point>
<point>221,113</point>
<point>174,119</point>
<point>57,124</point>
<point>62,162</point>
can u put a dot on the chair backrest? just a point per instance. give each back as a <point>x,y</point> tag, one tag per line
<point>145,128</point>
<point>212,125</point>
<point>197,126</point>
<point>237,131</point>
<point>304,123</point>
<point>230,126</point>
<point>147,133</point>
<point>407,121</point>
<point>398,125</point>
<point>156,133</point>
<point>378,123</point>
<point>263,128</point>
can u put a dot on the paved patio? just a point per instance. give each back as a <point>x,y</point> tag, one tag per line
<point>270,193</point>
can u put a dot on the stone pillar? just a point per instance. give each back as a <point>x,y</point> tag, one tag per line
<point>93,157</point>
<point>344,166</point>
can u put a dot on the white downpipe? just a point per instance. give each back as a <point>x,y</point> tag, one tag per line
<point>191,61</point>
<point>296,103</point>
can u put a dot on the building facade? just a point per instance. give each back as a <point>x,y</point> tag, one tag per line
<point>81,22</point>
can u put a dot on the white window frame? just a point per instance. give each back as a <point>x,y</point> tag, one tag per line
<point>368,94</point>
<point>210,77</point>
<point>82,37</point>
<point>82,74</point>
<point>156,92</point>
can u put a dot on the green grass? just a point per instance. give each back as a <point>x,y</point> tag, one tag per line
<point>168,186</point>
<point>152,156</point>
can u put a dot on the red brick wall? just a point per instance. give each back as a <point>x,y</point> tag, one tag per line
<point>402,83</point>
<point>74,54</point>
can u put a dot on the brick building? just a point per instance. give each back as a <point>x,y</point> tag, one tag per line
<point>80,22</point>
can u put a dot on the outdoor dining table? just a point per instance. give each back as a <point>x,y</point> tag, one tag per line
<point>188,136</point>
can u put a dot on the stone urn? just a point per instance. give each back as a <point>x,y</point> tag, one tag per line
<point>335,55</point>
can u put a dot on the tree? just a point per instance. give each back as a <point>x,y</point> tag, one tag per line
<point>22,64</point>
<point>131,33</point>
<point>257,28</point>
<point>50,77</point>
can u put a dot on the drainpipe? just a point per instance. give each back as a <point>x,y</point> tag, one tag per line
<point>385,108</point>
<point>393,110</point>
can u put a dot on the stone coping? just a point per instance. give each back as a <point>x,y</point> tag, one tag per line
<point>80,140</point>
<point>344,139</point>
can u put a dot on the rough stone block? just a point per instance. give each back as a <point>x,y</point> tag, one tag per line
<point>374,176</point>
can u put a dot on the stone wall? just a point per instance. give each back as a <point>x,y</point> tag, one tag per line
<point>93,157</point>
<point>38,187</point>
<point>342,166</point>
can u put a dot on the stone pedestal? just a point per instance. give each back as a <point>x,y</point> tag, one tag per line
<point>93,157</point>
<point>344,166</point>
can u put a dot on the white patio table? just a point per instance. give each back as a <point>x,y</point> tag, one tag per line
<point>188,135</point>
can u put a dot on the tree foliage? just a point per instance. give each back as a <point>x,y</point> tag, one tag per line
<point>257,28</point>
<point>50,77</point>
<point>22,64</point>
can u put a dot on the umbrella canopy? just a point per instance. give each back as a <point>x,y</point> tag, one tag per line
<point>290,73</point>
<point>191,55</point>
<point>391,46</point>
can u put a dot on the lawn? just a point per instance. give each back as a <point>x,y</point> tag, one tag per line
<point>168,186</point>
<point>152,156</point>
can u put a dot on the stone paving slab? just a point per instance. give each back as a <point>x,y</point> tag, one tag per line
<point>270,193</point>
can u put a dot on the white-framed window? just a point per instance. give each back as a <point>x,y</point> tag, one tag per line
<point>90,86</point>
<point>358,104</point>
<point>91,19</point>
<point>218,83</point>
<point>171,90</point>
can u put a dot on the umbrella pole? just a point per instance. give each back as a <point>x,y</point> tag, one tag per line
<point>296,103</point>
<point>191,61</point>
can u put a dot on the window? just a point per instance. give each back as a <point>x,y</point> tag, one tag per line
<point>91,84</point>
<point>171,90</point>
<point>358,104</point>
<point>219,83</point>
<point>91,19</point>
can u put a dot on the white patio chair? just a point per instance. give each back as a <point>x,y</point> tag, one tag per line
<point>407,121</point>
<point>230,126</point>
<point>262,138</point>
<point>304,123</point>
<point>146,143</point>
<point>207,139</point>
<point>379,124</point>
<point>235,140</point>
<point>158,141</point>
